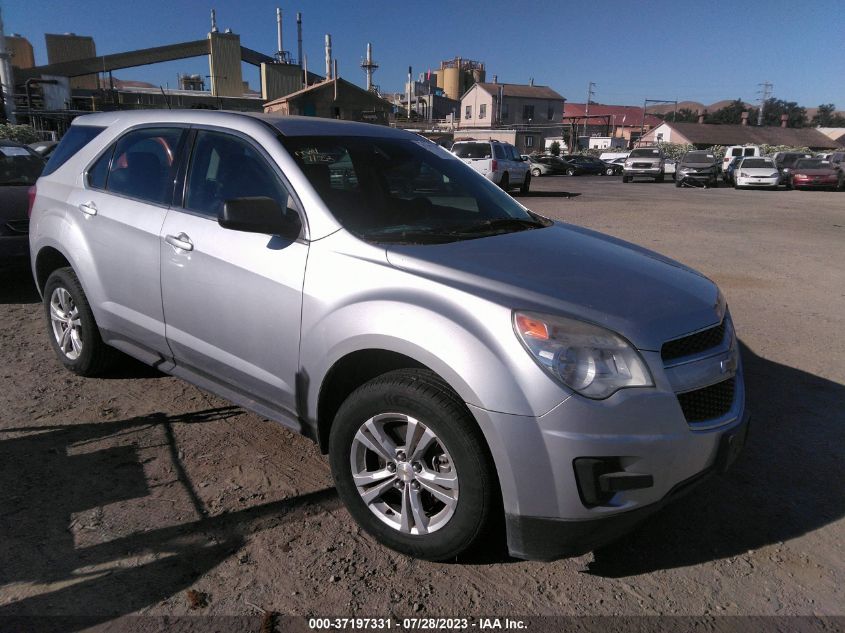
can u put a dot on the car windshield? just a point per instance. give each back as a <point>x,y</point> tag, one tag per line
<point>19,166</point>
<point>789,160</point>
<point>811,163</point>
<point>403,190</point>
<point>698,157</point>
<point>644,153</point>
<point>751,163</point>
<point>471,150</point>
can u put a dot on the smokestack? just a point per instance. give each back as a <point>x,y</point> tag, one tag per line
<point>299,38</point>
<point>335,80</point>
<point>213,21</point>
<point>305,71</point>
<point>531,81</point>
<point>745,118</point>
<point>7,83</point>
<point>369,66</point>
<point>328,56</point>
<point>410,86</point>
<point>495,79</point>
<point>279,32</point>
<point>784,119</point>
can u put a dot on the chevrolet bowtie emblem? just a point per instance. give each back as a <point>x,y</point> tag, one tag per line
<point>728,366</point>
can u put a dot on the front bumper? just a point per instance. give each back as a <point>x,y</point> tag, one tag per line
<point>539,538</point>
<point>651,172</point>
<point>814,184</point>
<point>752,181</point>
<point>701,176</point>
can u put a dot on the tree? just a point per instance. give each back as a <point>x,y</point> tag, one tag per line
<point>730,114</point>
<point>554,148</point>
<point>827,116</point>
<point>774,108</point>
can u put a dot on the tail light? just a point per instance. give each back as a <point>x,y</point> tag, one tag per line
<point>494,165</point>
<point>31,197</point>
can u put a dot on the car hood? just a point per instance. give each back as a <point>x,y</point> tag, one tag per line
<point>758,171</point>
<point>14,202</point>
<point>573,271</point>
<point>696,165</point>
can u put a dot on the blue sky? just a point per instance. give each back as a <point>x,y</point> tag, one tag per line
<point>700,51</point>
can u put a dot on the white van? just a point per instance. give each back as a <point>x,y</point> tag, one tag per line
<point>737,151</point>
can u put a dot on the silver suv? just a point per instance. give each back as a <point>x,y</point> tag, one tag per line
<point>644,161</point>
<point>460,358</point>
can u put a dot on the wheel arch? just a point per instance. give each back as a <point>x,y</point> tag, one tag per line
<point>48,259</point>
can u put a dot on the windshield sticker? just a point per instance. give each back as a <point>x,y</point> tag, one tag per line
<point>14,151</point>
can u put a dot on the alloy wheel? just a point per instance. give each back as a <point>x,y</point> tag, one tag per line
<point>66,323</point>
<point>404,473</point>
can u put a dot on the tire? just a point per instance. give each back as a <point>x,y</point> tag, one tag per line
<point>526,185</point>
<point>570,171</point>
<point>72,329</point>
<point>377,416</point>
<point>505,182</point>
<point>609,171</point>
<point>626,179</point>
<point>659,178</point>
<point>677,183</point>
<point>536,173</point>
<point>788,185</point>
<point>736,186</point>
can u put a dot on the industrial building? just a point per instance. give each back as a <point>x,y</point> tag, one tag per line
<point>703,135</point>
<point>456,76</point>
<point>334,99</point>
<point>20,50</point>
<point>69,47</point>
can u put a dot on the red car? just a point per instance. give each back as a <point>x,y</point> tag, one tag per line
<point>814,173</point>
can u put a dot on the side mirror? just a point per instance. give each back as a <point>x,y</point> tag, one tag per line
<point>259,215</point>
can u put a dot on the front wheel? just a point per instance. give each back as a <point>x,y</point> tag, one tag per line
<point>505,183</point>
<point>74,334</point>
<point>535,172</point>
<point>570,172</point>
<point>659,178</point>
<point>626,179</point>
<point>412,466</point>
<point>608,171</point>
<point>526,185</point>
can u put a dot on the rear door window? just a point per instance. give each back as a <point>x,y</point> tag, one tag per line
<point>144,163</point>
<point>98,172</point>
<point>77,137</point>
<point>499,152</point>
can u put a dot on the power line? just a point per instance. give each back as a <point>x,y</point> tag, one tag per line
<point>590,93</point>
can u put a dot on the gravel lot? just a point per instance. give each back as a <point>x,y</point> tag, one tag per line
<point>122,495</point>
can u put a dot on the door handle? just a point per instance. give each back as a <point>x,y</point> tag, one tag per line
<point>181,241</point>
<point>88,208</point>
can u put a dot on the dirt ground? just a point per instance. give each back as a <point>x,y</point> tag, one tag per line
<point>122,495</point>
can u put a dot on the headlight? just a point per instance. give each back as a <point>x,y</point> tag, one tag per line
<point>587,358</point>
<point>742,174</point>
<point>774,175</point>
<point>686,170</point>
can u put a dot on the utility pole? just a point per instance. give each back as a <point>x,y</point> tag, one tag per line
<point>590,93</point>
<point>765,93</point>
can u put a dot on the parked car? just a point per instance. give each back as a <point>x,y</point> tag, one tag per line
<point>837,159</point>
<point>44,148</point>
<point>584,164</point>
<point>644,161</point>
<point>499,163</point>
<point>546,166</point>
<point>614,167</point>
<point>428,340</point>
<point>697,166</point>
<point>785,161</point>
<point>812,173</point>
<point>728,172</point>
<point>755,172</point>
<point>737,151</point>
<point>20,167</point>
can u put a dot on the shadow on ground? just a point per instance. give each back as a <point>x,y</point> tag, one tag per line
<point>40,544</point>
<point>548,194</point>
<point>16,283</point>
<point>788,481</point>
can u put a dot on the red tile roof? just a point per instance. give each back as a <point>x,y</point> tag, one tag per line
<point>632,115</point>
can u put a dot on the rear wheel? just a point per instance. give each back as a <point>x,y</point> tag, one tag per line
<point>677,182</point>
<point>570,172</point>
<point>412,466</point>
<point>505,183</point>
<point>74,334</point>
<point>535,172</point>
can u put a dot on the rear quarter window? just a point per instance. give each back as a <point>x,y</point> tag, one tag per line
<point>472,150</point>
<point>77,137</point>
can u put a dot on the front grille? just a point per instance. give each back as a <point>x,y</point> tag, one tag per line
<point>17,227</point>
<point>643,165</point>
<point>708,403</point>
<point>694,343</point>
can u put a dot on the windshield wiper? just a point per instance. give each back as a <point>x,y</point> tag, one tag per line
<point>501,224</point>
<point>415,236</point>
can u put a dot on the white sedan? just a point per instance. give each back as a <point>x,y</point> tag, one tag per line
<point>753,171</point>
